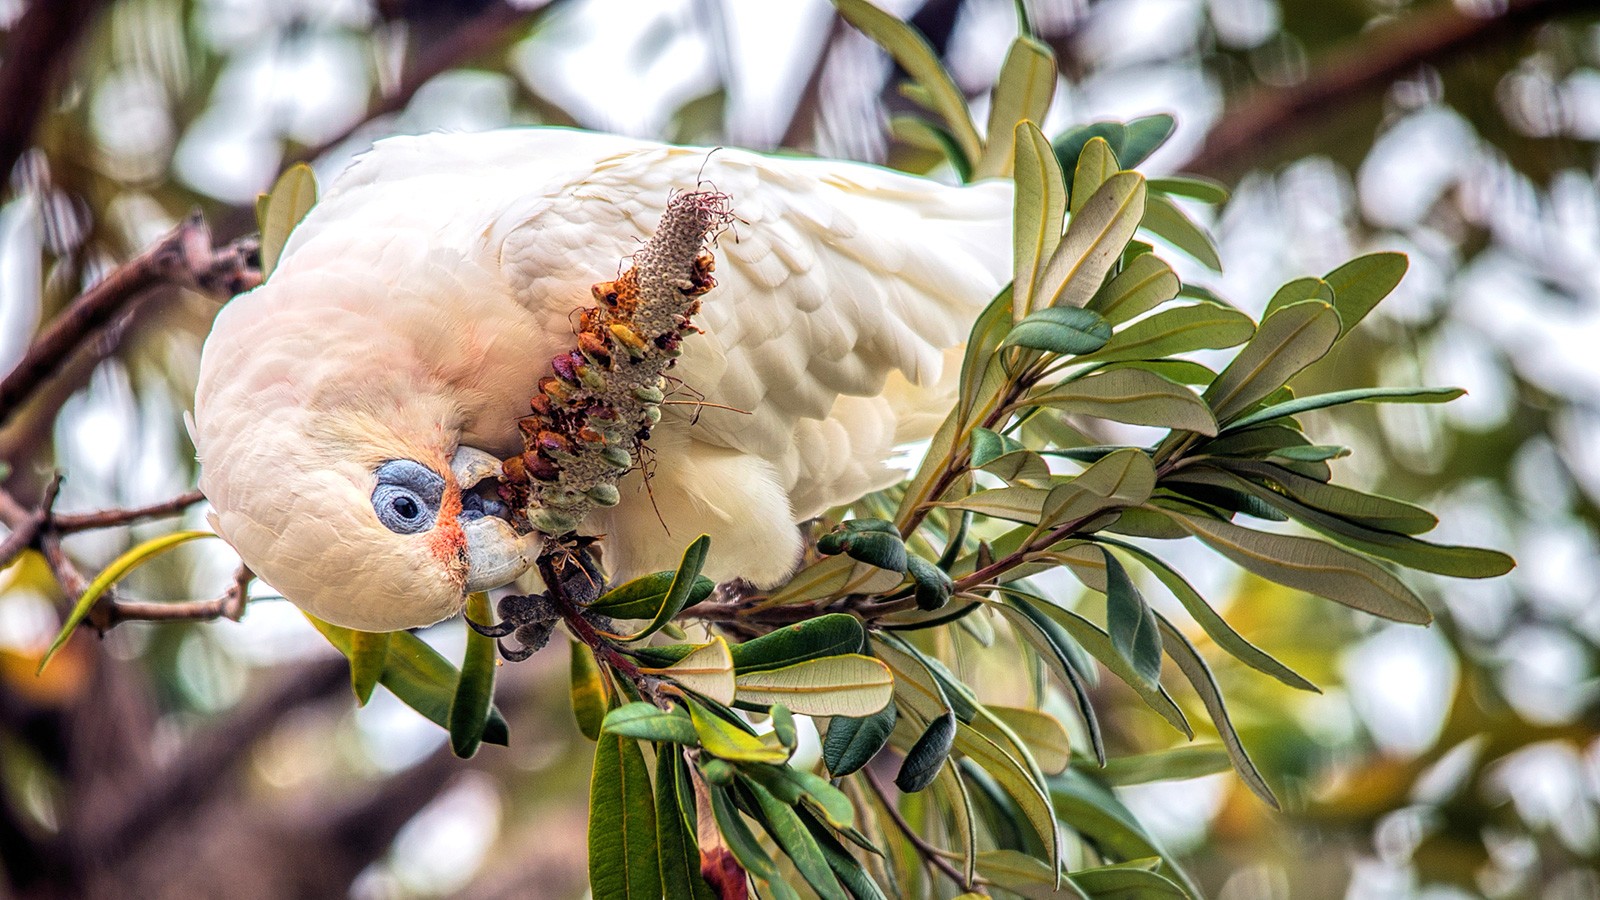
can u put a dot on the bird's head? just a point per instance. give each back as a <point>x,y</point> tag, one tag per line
<point>343,484</point>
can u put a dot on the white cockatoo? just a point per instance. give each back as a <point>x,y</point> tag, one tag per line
<point>348,407</point>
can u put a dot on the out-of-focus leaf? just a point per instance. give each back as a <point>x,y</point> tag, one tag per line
<point>912,52</point>
<point>1164,218</point>
<point>644,597</point>
<point>1359,284</point>
<point>1023,92</point>
<point>1142,285</point>
<point>725,740</point>
<point>847,685</point>
<point>1359,395</point>
<point>676,847</point>
<point>1188,761</point>
<point>1205,684</point>
<point>648,722</point>
<point>1095,165</point>
<point>783,725</point>
<point>1093,241</point>
<point>623,862</point>
<point>1127,881</point>
<point>919,132</point>
<point>281,209</point>
<point>682,587</point>
<point>707,670</point>
<point>1131,623</point>
<point>110,575</point>
<point>791,835</point>
<point>927,756</point>
<point>589,701</point>
<point>1024,875</point>
<point>1043,733</point>
<point>1312,566</point>
<point>1133,396</point>
<point>1181,329</point>
<point>1097,814</point>
<point>369,652</point>
<point>1064,330</point>
<point>1192,186</point>
<point>469,709</point>
<point>1287,342</point>
<point>853,741</point>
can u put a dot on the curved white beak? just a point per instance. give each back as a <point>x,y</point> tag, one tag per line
<point>496,554</point>
<point>470,465</point>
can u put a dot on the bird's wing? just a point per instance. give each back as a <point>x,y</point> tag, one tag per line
<point>835,276</point>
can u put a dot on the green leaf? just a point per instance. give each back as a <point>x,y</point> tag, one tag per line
<point>1311,566</point>
<point>623,862</point>
<point>746,849</point>
<point>1128,881</point>
<point>1042,732</point>
<point>1143,284</point>
<point>1071,663</point>
<point>676,846</point>
<point>852,742</point>
<point>707,670</point>
<point>110,575</point>
<point>796,787</point>
<point>849,871</point>
<point>927,756</point>
<point>1133,396</point>
<point>1023,875</point>
<point>644,597</point>
<point>1020,778</point>
<point>1286,343</point>
<point>877,548</point>
<point>796,841</point>
<point>1179,763</point>
<point>1371,510</point>
<point>1023,92</point>
<point>911,51</point>
<point>1296,291</point>
<point>1068,147</point>
<point>933,586</point>
<point>281,209</point>
<point>589,699</point>
<point>682,588</point>
<point>919,132</point>
<point>1182,329</point>
<point>1100,817</point>
<point>848,685</point>
<point>1165,219</point>
<point>1064,330</point>
<point>469,709</point>
<point>1194,187</point>
<point>1143,136</point>
<point>1337,398</point>
<point>1120,479</point>
<point>724,740</point>
<point>1359,284</point>
<point>1131,624</point>
<point>1205,684</point>
<point>1094,241</point>
<point>648,722</point>
<point>1215,627</point>
<point>1017,504</point>
<point>1038,217</point>
<point>369,651</point>
<point>416,674</point>
<point>783,725</point>
<point>1096,163</point>
<point>824,636</point>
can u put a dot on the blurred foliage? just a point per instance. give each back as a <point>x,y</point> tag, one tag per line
<point>1459,760</point>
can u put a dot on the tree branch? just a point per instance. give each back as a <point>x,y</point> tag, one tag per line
<point>36,54</point>
<point>68,523</point>
<point>1366,65</point>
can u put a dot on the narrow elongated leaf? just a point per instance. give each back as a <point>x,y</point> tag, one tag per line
<point>682,587</point>
<point>1215,627</point>
<point>1182,329</point>
<point>676,847</point>
<point>469,710</point>
<point>1096,163</point>
<point>1120,479</point>
<point>1296,291</point>
<point>1287,342</point>
<point>927,756</point>
<point>912,52</point>
<point>1194,187</point>
<point>1023,92</point>
<point>1020,780</point>
<point>1133,396</point>
<point>589,701</point>
<point>1023,875</point>
<point>845,867</point>
<point>1043,733</point>
<point>110,575</point>
<point>1143,284</point>
<point>1016,504</point>
<point>791,835</point>
<point>707,670</point>
<point>1372,510</point>
<point>644,597</point>
<point>1205,684</point>
<point>796,787</point>
<point>823,636</point>
<point>1143,136</point>
<point>1097,814</point>
<point>847,685</point>
<point>1179,763</point>
<point>1311,566</point>
<point>952,797</point>
<point>1359,284</point>
<point>1338,398</point>
<point>369,652</point>
<point>1060,650</point>
<point>1064,330</point>
<point>724,740</point>
<point>291,197</point>
<point>1128,881</point>
<point>746,849</point>
<point>648,722</point>
<point>623,861</point>
<point>1131,623</point>
<point>1162,217</point>
<point>852,742</point>
<point>1094,241</point>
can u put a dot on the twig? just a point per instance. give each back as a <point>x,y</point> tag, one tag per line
<point>930,854</point>
<point>68,523</point>
<point>25,525</point>
<point>1372,61</point>
<point>184,256</point>
<point>113,611</point>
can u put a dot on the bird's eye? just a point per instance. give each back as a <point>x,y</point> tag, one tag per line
<point>407,496</point>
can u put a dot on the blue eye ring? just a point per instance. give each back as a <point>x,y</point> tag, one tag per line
<point>407,496</point>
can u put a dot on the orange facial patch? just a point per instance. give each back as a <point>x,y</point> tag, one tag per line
<point>448,542</point>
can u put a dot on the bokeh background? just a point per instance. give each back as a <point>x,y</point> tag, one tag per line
<point>228,759</point>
